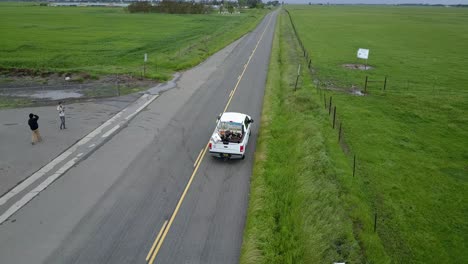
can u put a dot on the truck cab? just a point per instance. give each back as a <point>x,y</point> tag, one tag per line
<point>231,135</point>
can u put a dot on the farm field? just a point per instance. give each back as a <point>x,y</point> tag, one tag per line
<point>411,140</point>
<point>96,41</point>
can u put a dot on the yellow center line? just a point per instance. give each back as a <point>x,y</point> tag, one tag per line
<point>171,220</point>
<point>155,242</point>
<point>246,65</point>
<point>182,197</point>
<point>199,155</point>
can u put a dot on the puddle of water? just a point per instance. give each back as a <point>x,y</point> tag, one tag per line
<point>357,92</point>
<point>53,95</point>
<point>162,87</point>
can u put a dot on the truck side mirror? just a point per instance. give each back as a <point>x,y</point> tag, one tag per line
<point>219,117</point>
<point>251,121</point>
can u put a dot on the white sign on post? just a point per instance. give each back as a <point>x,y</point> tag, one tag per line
<point>363,54</point>
<point>146,57</point>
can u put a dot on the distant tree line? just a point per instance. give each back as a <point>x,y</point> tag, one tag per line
<point>170,7</point>
<point>273,3</point>
<point>252,3</point>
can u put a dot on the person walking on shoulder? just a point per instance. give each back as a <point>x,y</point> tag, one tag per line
<point>32,122</point>
<point>61,110</point>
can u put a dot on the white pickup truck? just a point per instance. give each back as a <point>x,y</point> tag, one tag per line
<point>231,135</point>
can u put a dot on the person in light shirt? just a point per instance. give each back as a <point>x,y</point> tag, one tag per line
<point>61,110</point>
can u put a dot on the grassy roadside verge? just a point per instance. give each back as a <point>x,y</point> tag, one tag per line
<point>300,205</point>
<point>8,102</point>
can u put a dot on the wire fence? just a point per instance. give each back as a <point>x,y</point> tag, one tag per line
<point>369,84</point>
<point>324,88</point>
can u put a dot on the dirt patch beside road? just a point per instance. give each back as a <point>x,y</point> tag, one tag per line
<point>361,67</point>
<point>30,77</point>
<point>34,87</point>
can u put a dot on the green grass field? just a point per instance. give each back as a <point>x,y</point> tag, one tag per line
<point>411,141</point>
<point>420,49</point>
<point>109,41</point>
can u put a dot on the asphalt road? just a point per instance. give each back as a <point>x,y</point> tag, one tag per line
<point>111,207</point>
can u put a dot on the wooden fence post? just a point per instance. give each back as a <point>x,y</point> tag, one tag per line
<point>339,134</point>
<point>354,165</point>
<point>375,222</point>
<point>329,106</point>
<point>297,79</point>
<point>385,83</point>
<point>365,85</point>
<point>334,115</point>
<point>325,100</point>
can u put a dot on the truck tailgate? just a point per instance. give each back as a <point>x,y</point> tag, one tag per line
<point>231,148</point>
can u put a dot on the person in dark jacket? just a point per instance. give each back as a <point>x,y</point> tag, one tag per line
<point>32,122</point>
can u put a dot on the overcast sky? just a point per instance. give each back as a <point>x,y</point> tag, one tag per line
<point>445,2</point>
